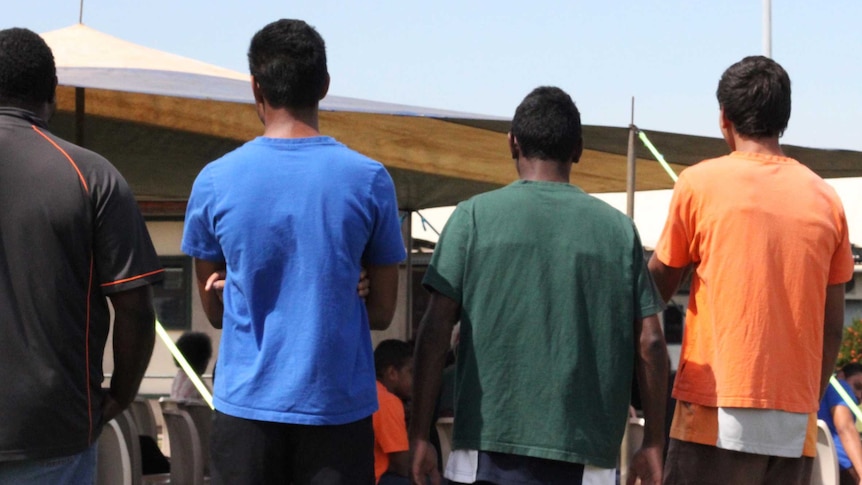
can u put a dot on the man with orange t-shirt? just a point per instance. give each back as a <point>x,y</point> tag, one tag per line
<point>766,240</point>
<point>393,362</point>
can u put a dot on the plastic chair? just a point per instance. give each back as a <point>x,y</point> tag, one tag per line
<point>444,431</point>
<point>144,417</point>
<point>130,435</point>
<point>114,465</point>
<point>825,470</point>
<point>202,416</point>
<point>187,465</point>
<point>632,440</point>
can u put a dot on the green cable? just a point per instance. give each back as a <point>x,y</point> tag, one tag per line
<point>657,155</point>
<point>851,403</point>
<point>187,368</point>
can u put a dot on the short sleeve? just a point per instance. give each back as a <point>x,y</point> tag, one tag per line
<point>841,267</point>
<point>199,232</point>
<point>833,398</point>
<point>647,296</point>
<point>123,252</point>
<point>390,428</point>
<point>446,270</point>
<point>675,246</point>
<point>386,244</point>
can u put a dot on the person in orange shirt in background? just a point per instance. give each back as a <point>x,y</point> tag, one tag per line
<point>767,241</point>
<point>393,362</point>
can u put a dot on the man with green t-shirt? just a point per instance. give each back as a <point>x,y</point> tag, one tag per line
<point>557,308</point>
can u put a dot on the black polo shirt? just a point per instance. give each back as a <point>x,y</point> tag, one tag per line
<point>70,234</point>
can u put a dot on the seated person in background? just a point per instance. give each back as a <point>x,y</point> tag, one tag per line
<point>393,363</point>
<point>842,424</point>
<point>197,348</point>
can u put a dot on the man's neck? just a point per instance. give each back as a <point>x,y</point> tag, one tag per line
<point>537,170</point>
<point>763,146</point>
<point>287,123</point>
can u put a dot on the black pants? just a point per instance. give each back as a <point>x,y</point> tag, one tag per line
<point>248,452</point>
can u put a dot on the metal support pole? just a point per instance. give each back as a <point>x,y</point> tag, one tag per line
<point>767,28</point>
<point>408,242</point>
<point>80,100</point>
<point>630,167</point>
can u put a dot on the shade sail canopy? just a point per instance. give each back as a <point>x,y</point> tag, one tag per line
<point>160,118</point>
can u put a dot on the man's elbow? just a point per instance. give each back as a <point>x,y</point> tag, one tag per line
<point>380,319</point>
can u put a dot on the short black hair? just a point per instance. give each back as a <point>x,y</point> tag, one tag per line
<point>851,369</point>
<point>288,60</point>
<point>547,125</point>
<point>391,353</point>
<point>197,348</point>
<point>27,71</point>
<point>755,96</point>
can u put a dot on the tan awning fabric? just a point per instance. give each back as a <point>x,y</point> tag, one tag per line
<point>160,118</point>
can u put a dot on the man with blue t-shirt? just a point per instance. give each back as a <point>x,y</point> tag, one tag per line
<point>280,229</point>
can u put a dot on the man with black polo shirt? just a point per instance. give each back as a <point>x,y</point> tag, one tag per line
<point>70,235</point>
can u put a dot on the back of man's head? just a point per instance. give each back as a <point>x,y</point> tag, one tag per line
<point>288,60</point>
<point>391,353</point>
<point>755,96</point>
<point>547,125</point>
<point>197,348</point>
<point>27,72</point>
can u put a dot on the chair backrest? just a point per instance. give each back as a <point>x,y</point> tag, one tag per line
<point>825,470</point>
<point>133,443</point>
<point>202,415</point>
<point>144,417</point>
<point>187,465</point>
<point>113,466</point>
<point>444,432</point>
<point>632,440</point>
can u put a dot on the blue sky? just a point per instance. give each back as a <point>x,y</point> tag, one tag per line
<point>483,57</point>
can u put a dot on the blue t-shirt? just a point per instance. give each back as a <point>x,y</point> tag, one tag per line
<point>829,401</point>
<point>294,219</point>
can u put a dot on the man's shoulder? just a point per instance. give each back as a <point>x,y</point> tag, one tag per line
<point>80,156</point>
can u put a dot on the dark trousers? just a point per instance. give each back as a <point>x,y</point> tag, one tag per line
<point>695,464</point>
<point>248,452</point>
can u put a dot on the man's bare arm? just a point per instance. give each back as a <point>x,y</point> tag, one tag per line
<point>651,366</point>
<point>134,336</point>
<point>432,343</point>
<point>842,417</point>
<point>399,463</point>
<point>667,278</point>
<point>210,278</point>
<point>833,330</point>
<point>382,295</point>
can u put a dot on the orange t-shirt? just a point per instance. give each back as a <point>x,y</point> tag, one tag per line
<point>766,237</point>
<point>390,429</point>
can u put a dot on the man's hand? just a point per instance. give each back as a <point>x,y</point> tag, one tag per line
<point>646,466</point>
<point>423,469</point>
<point>110,408</point>
<point>215,282</point>
<point>364,284</point>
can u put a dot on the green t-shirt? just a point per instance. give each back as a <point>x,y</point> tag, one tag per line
<point>550,281</point>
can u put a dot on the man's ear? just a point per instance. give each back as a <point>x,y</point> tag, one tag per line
<point>325,90</point>
<point>390,374</point>
<point>579,150</point>
<point>256,91</point>
<point>514,149</point>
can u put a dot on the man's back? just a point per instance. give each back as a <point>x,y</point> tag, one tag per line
<point>763,239</point>
<point>293,219</point>
<point>548,296</point>
<point>70,233</point>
